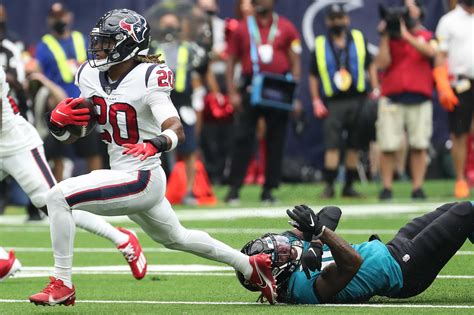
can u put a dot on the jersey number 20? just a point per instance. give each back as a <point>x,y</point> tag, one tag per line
<point>130,135</point>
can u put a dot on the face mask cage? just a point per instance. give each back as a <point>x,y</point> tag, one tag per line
<point>105,50</point>
<point>286,254</point>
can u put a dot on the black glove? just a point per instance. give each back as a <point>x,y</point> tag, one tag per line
<point>329,217</point>
<point>311,260</point>
<point>305,220</point>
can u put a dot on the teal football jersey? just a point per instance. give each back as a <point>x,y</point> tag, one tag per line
<point>379,274</point>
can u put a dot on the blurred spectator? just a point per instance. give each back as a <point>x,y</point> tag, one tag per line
<point>60,53</point>
<point>339,67</point>
<point>279,49</point>
<point>405,55</point>
<point>188,62</point>
<point>6,33</point>
<point>217,115</point>
<point>454,68</point>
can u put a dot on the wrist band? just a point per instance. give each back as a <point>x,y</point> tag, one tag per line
<point>322,231</point>
<point>173,137</point>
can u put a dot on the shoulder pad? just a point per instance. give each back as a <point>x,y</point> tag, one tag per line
<point>79,72</point>
<point>159,76</point>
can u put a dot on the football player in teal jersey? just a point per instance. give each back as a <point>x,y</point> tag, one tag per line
<point>321,267</point>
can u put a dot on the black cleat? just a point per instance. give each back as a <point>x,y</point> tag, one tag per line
<point>267,197</point>
<point>232,198</point>
<point>328,192</point>
<point>418,194</point>
<point>385,194</point>
<point>350,192</point>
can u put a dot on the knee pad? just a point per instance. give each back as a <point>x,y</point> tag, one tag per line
<point>175,239</point>
<point>55,197</point>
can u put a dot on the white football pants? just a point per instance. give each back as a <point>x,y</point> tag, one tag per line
<point>141,196</point>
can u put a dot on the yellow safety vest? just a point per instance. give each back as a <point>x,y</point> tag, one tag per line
<point>181,66</point>
<point>320,50</point>
<point>60,56</point>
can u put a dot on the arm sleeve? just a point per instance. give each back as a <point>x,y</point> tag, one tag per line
<point>158,93</point>
<point>442,35</point>
<point>235,41</point>
<point>161,105</point>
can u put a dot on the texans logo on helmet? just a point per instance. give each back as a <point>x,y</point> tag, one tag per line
<point>134,29</point>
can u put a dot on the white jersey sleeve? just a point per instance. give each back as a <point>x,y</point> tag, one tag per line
<point>160,81</point>
<point>442,34</point>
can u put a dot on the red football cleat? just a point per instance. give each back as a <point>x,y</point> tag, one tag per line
<point>262,276</point>
<point>55,293</point>
<point>132,251</point>
<point>9,266</point>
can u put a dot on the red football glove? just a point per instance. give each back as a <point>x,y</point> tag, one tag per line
<point>147,149</point>
<point>65,114</point>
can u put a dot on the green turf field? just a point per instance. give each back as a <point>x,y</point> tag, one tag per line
<point>180,283</point>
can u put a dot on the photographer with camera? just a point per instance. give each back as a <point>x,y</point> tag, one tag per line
<point>405,55</point>
<point>456,85</point>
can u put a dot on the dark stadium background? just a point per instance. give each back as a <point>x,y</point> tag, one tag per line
<point>27,18</point>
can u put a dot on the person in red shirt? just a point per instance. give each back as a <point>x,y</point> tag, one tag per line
<point>407,86</point>
<point>279,49</point>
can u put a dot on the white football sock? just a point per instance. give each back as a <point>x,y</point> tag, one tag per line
<point>97,225</point>
<point>62,229</point>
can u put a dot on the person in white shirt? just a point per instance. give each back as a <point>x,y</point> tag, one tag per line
<point>454,75</point>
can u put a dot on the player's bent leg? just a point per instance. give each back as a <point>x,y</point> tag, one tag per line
<point>98,226</point>
<point>163,226</point>
<point>428,252</point>
<point>110,192</point>
<point>411,229</point>
<point>34,177</point>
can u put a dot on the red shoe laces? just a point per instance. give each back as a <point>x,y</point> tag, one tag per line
<point>54,282</point>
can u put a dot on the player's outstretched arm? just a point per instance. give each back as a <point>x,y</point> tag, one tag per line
<point>337,275</point>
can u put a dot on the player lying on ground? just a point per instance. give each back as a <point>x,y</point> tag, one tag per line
<point>138,121</point>
<point>343,273</point>
<point>22,157</point>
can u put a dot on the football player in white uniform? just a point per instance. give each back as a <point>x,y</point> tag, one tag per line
<point>22,157</point>
<point>138,121</point>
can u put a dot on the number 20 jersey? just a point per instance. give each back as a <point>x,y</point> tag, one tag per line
<point>130,110</point>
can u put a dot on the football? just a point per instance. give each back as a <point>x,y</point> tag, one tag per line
<point>82,131</point>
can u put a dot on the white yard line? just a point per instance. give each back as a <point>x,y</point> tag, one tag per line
<point>45,229</point>
<point>145,249</point>
<point>263,305</point>
<point>175,270</point>
<point>272,212</point>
